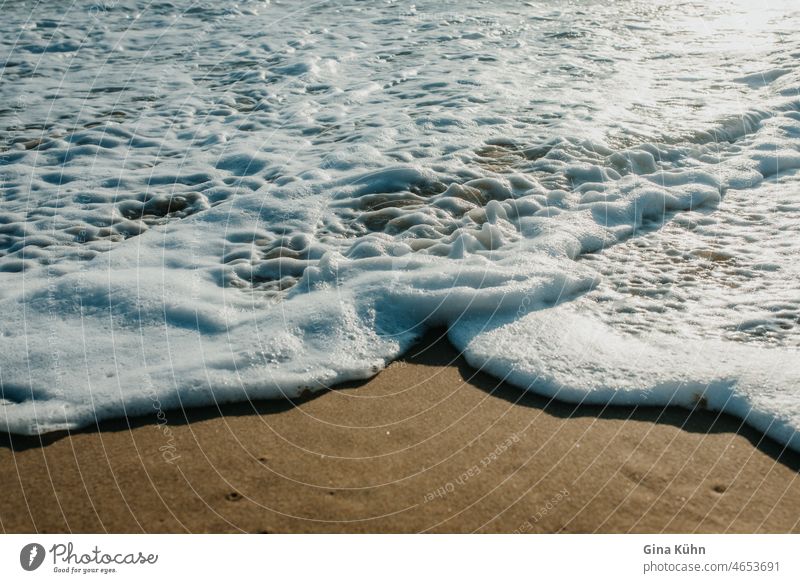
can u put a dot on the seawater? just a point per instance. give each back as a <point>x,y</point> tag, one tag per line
<point>205,203</point>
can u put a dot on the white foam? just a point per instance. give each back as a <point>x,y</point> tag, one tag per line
<point>261,201</point>
<point>574,357</point>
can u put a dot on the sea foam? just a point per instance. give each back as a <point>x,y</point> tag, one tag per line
<point>197,209</point>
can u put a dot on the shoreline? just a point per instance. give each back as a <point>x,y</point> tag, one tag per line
<point>428,445</point>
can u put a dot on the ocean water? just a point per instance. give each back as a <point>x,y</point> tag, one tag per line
<point>207,202</point>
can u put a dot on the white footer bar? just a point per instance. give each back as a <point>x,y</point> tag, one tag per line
<point>389,558</point>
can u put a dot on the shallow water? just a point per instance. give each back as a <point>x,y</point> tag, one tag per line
<point>207,204</point>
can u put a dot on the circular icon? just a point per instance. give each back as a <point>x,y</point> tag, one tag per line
<point>31,556</point>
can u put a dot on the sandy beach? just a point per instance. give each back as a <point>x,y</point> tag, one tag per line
<point>428,445</point>
<point>222,204</point>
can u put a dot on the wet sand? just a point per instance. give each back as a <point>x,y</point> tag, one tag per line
<point>428,445</point>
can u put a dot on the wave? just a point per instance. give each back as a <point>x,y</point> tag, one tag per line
<point>261,225</point>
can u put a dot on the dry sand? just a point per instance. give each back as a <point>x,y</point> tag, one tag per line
<point>427,445</point>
